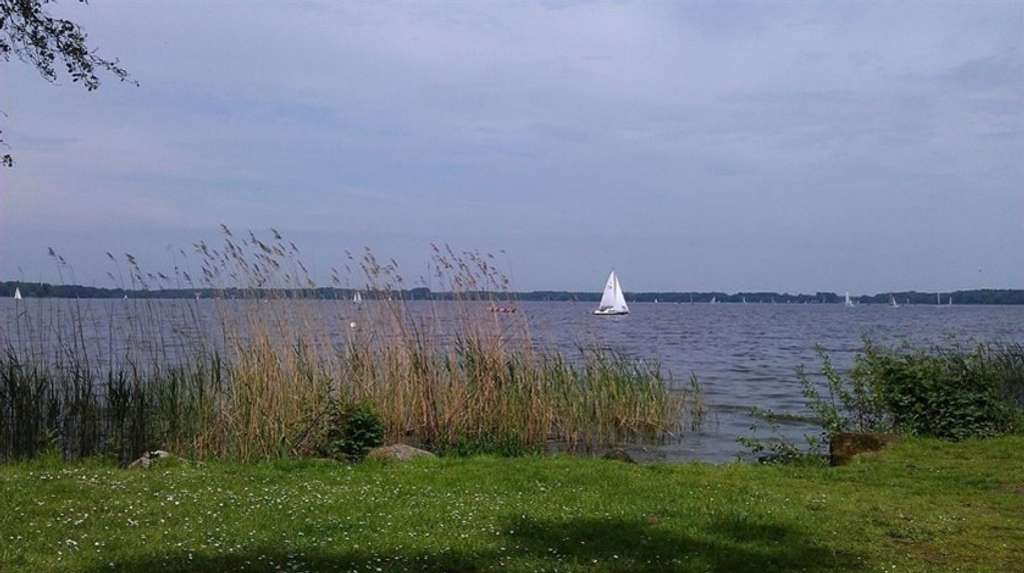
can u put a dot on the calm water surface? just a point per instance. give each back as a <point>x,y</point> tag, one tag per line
<point>744,355</point>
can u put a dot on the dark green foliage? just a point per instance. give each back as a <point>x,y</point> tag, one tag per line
<point>964,297</point>
<point>79,412</point>
<point>33,35</point>
<point>846,405</point>
<point>952,393</point>
<point>352,431</point>
<point>27,424</point>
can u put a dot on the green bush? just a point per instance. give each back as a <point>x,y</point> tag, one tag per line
<point>952,393</point>
<point>352,431</point>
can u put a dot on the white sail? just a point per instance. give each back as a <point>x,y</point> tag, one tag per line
<point>848,301</point>
<point>950,299</point>
<point>17,293</point>
<point>938,298</point>
<point>612,300</point>
<point>714,299</point>
<point>357,298</point>
<point>892,301</point>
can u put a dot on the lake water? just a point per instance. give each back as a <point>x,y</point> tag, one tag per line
<point>744,355</point>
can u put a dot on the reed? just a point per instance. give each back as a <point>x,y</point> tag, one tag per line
<point>255,377</point>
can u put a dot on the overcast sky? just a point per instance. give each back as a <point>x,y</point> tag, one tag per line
<point>703,145</point>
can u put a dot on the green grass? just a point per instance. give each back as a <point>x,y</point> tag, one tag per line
<point>920,506</point>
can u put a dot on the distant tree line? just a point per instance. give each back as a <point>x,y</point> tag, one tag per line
<point>974,296</point>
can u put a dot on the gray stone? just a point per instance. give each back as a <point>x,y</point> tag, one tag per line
<point>397,453</point>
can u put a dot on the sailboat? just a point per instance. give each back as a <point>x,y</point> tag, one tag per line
<point>357,298</point>
<point>950,299</point>
<point>17,293</point>
<point>892,301</point>
<point>612,301</point>
<point>744,300</point>
<point>848,301</point>
<point>714,300</point>
<point>938,298</point>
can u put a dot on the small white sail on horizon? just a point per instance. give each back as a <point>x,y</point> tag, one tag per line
<point>848,301</point>
<point>357,298</point>
<point>17,293</point>
<point>892,301</point>
<point>612,300</point>
<point>714,300</point>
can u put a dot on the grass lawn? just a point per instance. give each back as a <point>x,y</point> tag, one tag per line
<point>920,506</point>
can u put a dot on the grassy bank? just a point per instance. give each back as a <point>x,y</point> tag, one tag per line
<point>923,505</point>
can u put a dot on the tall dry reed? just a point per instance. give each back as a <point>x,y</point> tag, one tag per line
<point>252,370</point>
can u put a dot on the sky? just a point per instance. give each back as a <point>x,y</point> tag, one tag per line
<point>788,146</point>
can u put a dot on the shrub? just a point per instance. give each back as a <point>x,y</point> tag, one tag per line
<point>352,431</point>
<point>952,393</point>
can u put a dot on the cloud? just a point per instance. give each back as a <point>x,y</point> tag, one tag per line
<point>721,137</point>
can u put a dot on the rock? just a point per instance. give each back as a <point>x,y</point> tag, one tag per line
<point>149,458</point>
<point>619,455</point>
<point>845,445</point>
<point>397,453</point>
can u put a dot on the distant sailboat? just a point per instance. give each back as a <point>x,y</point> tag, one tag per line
<point>950,299</point>
<point>357,298</point>
<point>744,300</point>
<point>612,301</point>
<point>714,300</point>
<point>892,301</point>
<point>17,293</point>
<point>938,298</point>
<point>848,301</point>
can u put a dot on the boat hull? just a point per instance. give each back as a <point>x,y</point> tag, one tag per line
<point>610,312</point>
